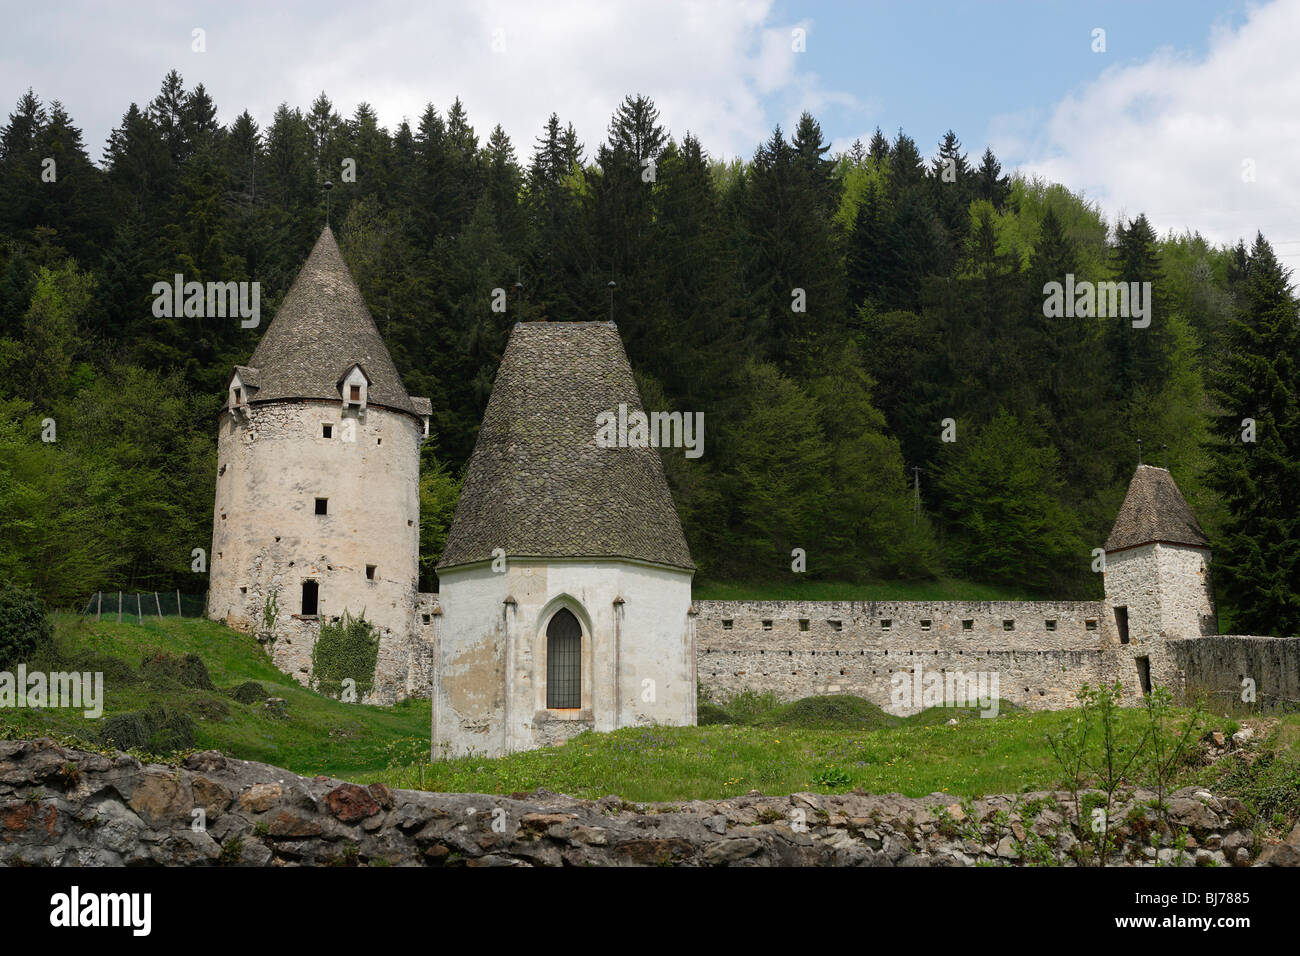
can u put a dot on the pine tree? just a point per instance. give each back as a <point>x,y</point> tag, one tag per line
<point>1258,559</point>
<point>878,150</point>
<point>20,165</point>
<point>990,184</point>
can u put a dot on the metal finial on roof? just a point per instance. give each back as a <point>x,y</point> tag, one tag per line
<point>1139,441</point>
<point>328,186</point>
<point>611,286</point>
<point>1164,455</point>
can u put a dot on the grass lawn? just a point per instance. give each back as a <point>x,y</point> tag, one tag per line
<point>317,735</point>
<point>825,744</point>
<point>914,756</point>
<point>799,588</point>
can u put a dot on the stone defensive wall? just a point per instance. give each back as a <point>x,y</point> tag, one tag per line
<point>1041,652</point>
<point>1221,666</point>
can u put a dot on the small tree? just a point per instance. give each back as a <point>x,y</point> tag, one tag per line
<point>24,624</point>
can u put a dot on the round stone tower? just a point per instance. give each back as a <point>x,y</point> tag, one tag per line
<point>317,507</point>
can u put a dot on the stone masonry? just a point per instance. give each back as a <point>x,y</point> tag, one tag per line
<point>68,807</point>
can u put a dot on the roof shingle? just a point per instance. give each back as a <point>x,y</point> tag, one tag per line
<point>537,484</point>
<point>1155,510</point>
<point>321,330</point>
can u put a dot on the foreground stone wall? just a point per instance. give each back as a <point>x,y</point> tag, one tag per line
<point>1041,651</point>
<point>1219,665</point>
<point>67,807</point>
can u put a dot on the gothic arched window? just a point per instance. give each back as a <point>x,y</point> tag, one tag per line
<point>563,661</point>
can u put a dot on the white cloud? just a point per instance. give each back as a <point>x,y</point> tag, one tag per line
<point>712,68</point>
<point>1169,136</point>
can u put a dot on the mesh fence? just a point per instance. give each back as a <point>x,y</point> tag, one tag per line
<point>141,605</point>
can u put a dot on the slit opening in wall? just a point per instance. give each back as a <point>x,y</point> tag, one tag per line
<point>1121,624</point>
<point>1144,674</point>
<point>310,597</point>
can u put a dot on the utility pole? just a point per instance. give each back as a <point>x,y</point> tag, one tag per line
<point>916,495</point>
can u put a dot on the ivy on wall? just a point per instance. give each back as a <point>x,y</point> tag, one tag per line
<point>346,649</point>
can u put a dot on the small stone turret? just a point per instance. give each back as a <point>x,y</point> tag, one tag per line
<point>1157,576</point>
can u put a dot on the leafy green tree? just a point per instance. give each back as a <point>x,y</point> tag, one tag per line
<point>1002,500</point>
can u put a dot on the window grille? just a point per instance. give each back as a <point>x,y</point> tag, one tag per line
<point>563,661</point>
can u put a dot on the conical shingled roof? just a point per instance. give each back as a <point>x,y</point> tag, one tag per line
<point>1155,510</point>
<point>538,485</point>
<point>321,330</point>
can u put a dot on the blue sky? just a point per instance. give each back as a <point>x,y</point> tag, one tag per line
<point>1192,114</point>
<point>974,67</point>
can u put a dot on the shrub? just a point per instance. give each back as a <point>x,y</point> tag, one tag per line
<point>155,729</point>
<point>162,668</point>
<point>707,713</point>
<point>210,708</point>
<point>24,624</point>
<point>249,692</point>
<point>125,731</point>
<point>749,705</point>
<point>347,649</point>
<point>832,712</point>
<point>172,730</point>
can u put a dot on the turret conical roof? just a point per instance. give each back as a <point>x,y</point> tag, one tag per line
<point>538,484</point>
<point>1155,510</point>
<point>320,331</point>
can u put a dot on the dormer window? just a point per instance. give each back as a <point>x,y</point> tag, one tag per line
<point>353,388</point>
<point>242,386</point>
